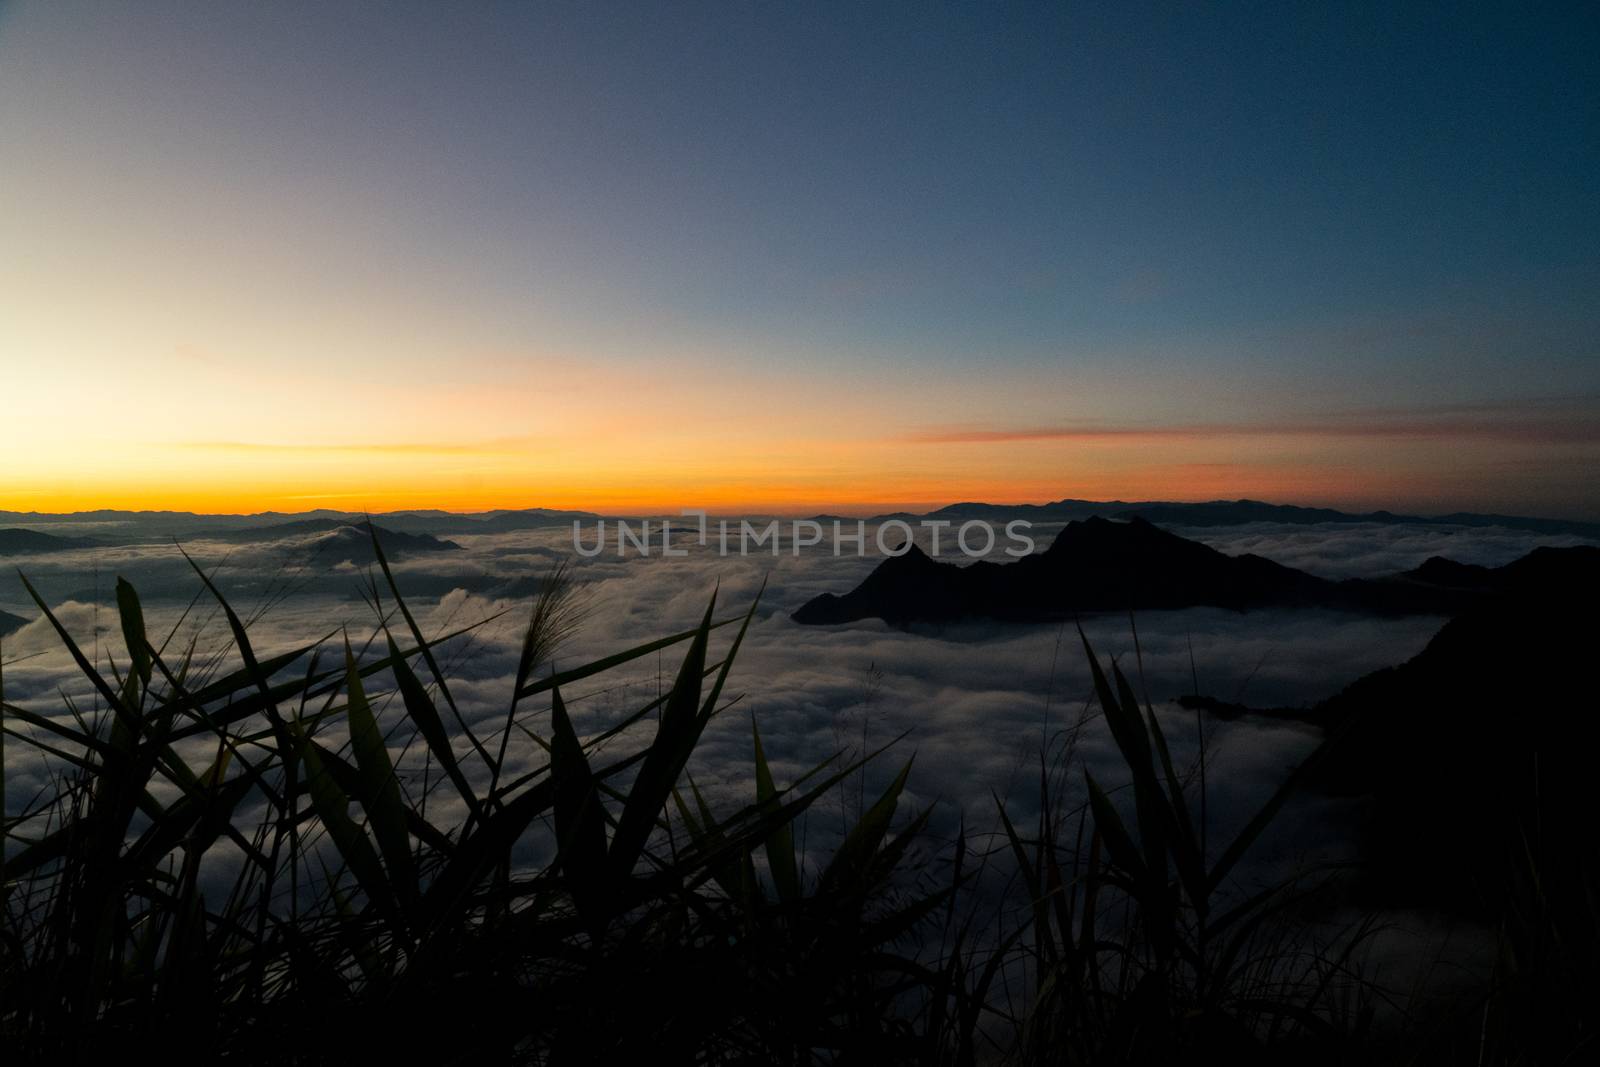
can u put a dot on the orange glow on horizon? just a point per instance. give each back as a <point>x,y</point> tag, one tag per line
<point>609,448</point>
<point>747,493</point>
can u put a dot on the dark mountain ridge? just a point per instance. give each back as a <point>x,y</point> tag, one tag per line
<point>353,541</point>
<point>90,528</point>
<point>28,542</point>
<point>125,527</point>
<point>1475,758</point>
<point>1099,565</point>
<point>1237,513</point>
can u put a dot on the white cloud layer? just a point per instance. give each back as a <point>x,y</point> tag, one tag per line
<point>975,699</point>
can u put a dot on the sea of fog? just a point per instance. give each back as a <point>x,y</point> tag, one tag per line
<point>976,703</point>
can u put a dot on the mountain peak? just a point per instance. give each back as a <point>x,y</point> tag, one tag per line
<point>10,623</point>
<point>1096,564</point>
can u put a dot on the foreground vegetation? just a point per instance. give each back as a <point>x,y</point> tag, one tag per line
<point>302,895</point>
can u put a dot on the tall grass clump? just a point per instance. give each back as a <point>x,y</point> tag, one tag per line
<point>297,896</point>
<point>1138,947</point>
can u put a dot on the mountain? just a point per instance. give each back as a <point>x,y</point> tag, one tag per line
<point>353,542</point>
<point>530,519</point>
<point>1093,565</point>
<point>29,542</point>
<point>1234,513</point>
<point>159,523</point>
<point>1436,570</point>
<point>1054,511</point>
<point>10,623</point>
<point>145,527</point>
<point>1472,763</point>
<point>1478,748</point>
<point>1099,565</point>
<point>282,530</point>
<point>1238,512</point>
<point>337,540</point>
<point>441,523</point>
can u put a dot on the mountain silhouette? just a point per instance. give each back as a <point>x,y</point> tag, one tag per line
<point>1238,512</point>
<point>145,527</point>
<point>340,536</point>
<point>353,542</point>
<point>108,527</point>
<point>281,530</point>
<point>27,542</point>
<point>1093,565</point>
<point>1473,761</point>
<point>1235,513</point>
<point>1100,565</point>
<point>1477,755</point>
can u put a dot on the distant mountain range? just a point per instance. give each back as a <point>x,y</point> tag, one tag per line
<point>143,527</point>
<point>334,538</point>
<point>353,542</point>
<point>1099,565</point>
<point>41,532</point>
<point>28,542</point>
<point>340,534</point>
<point>1238,513</point>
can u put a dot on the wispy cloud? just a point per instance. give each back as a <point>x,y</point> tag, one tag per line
<point>1475,423</point>
<point>497,446</point>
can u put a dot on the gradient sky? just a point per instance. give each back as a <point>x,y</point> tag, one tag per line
<point>791,256</point>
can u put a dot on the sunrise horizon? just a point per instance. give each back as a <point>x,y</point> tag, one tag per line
<point>1528,458</point>
<point>786,509</point>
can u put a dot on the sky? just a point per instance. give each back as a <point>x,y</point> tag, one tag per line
<point>798,256</point>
